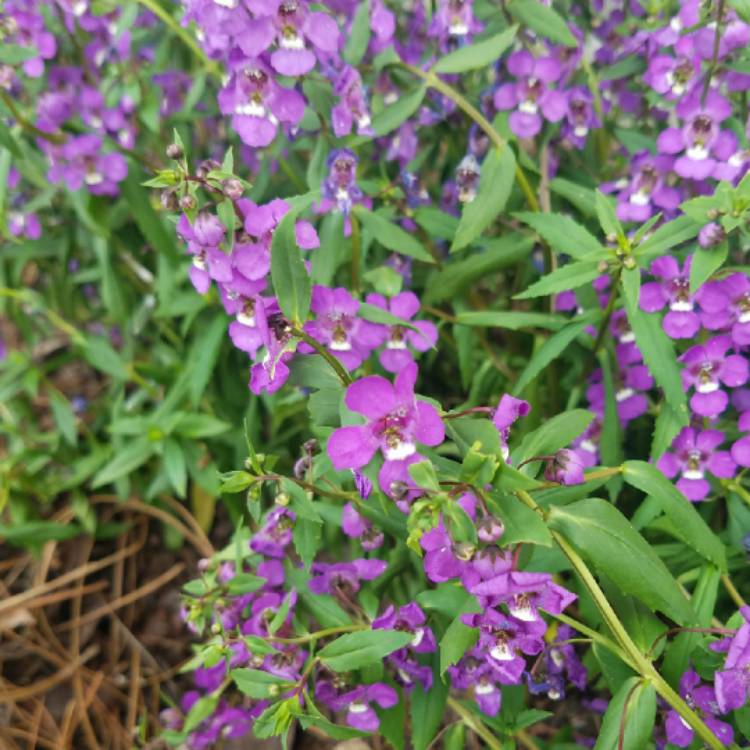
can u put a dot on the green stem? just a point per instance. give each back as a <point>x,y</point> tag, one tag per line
<point>433,81</point>
<point>184,35</point>
<point>475,724</point>
<point>336,366</point>
<point>642,665</point>
<point>28,126</point>
<point>356,254</point>
<point>318,634</point>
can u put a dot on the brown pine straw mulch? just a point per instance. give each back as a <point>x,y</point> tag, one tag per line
<point>91,638</point>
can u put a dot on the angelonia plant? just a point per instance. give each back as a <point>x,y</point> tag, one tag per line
<point>497,251</point>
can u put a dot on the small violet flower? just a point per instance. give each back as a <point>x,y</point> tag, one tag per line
<point>694,454</point>
<point>673,290</point>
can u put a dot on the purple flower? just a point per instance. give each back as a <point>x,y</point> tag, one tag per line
<point>397,354</point>
<point>347,575</point>
<point>741,449</point>
<point>700,141</point>
<point>580,116</point>
<point>272,371</point>
<point>257,104</point>
<point>673,289</point>
<point>340,190</point>
<point>358,527</point>
<point>672,76</point>
<point>707,367</point>
<point>453,20</point>
<point>396,421</point>
<point>531,94</point>
<point>275,534</point>
<point>646,191</point>
<point>339,329</point>
<point>440,561</point>
<point>633,381</point>
<point>209,262</point>
<point>471,674</point>
<point>24,225</point>
<point>80,161</point>
<point>565,468</point>
<point>356,703</point>
<point>296,25</point>
<point>352,108</point>
<point>702,699</point>
<point>694,454</point>
<point>726,304</point>
<point>509,410</point>
<point>732,683</point>
<point>409,619</point>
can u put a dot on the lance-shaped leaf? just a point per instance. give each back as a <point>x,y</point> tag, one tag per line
<point>688,523</point>
<point>477,55</point>
<point>355,650</point>
<point>608,540</point>
<point>495,185</point>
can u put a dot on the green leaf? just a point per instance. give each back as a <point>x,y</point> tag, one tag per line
<point>666,237</point>
<point>401,110</point>
<point>8,141</point>
<point>291,282</point>
<point>562,234</point>
<point>495,185</point>
<point>377,314</point>
<point>15,54</point>
<point>175,467</point>
<point>148,221</point>
<point>200,426</point>
<point>522,524</point>
<point>427,711</point>
<point>636,699</point>
<point>543,20</point>
<point>276,719</point>
<point>65,418</point>
<point>458,275</point>
<point>436,223</point>
<point>666,428</point>
<point>511,320</point>
<point>391,235</point>
<point>689,524</point>
<point>551,349</point>
<point>678,652</point>
<point>100,354</point>
<point>657,348</point>
<point>257,684</point>
<point>581,197</point>
<point>200,710</point>
<point>607,539</point>
<point>356,650</point>
<point>458,638</point>
<point>36,532</point>
<point>308,539</point>
<point>477,55</point>
<point>245,583</point>
<point>742,7</point>
<point>554,434</point>
<point>203,356</point>
<point>569,276</point>
<point>126,460</point>
<point>605,212</point>
<point>423,474</point>
<point>359,35</point>
<point>706,261</point>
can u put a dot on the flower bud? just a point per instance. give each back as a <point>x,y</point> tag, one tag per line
<point>282,498</point>
<point>174,151</point>
<point>233,189</point>
<point>188,203</point>
<point>169,200</point>
<point>216,628</point>
<point>710,235</point>
<point>490,529</point>
<point>629,262</point>
<point>209,165</point>
<point>310,446</point>
<point>398,490</point>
